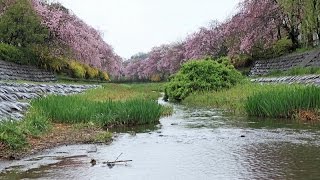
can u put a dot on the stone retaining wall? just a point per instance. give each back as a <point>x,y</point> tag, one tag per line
<point>12,71</point>
<point>262,67</point>
<point>309,79</point>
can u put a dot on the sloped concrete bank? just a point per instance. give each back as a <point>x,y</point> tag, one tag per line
<point>12,71</point>
<point>308,79</point>
<point>284,63</point>
<point>15,97</point>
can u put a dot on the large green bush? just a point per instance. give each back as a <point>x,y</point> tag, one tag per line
<point>17,55</point>
<point>202,75</point>
<point>20,25</point>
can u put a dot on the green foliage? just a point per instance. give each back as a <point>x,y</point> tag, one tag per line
<point>17,55</point>
<point>20,26</point>
<point>12,135</point>
<point>280,48</point>
<point>104,76</point>
<point>10,53</point>
<point>75,109</point>
<point>35,124</point>
<point>202,75</point>
<point>91,73</point>
<point>78,71</point>
<point>283,102</point>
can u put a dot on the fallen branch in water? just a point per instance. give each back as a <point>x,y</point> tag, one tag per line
<point>114,162</point>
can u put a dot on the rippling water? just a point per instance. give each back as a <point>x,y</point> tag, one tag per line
<point>191,144</point>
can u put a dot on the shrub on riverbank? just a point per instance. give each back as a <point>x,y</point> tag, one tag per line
<point>284,102</point>
<point>202,75</point>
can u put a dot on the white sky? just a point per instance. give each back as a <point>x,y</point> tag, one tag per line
<point>133,26</point>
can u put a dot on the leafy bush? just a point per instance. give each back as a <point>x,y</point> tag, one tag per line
<point>202,75</point>
<point>104,76</point>
<point>17,55</point>
<point>77,69</point>
<point>91,72</point>
<point>10,53</point>
<point>21,26</point>
<point>279,48</point>
<point>282,47</point>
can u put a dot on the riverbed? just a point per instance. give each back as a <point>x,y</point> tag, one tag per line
<point>191,144</point>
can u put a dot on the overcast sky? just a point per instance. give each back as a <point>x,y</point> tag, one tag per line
<point>133,26</point>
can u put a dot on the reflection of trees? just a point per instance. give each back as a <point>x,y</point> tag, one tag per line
<point>282,160</point>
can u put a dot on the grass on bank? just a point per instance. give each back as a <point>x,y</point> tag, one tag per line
<point>232,99</point>
<point>111,105</point>
<point>277,96</point>
<point>284,102</point>
<point>75,109</point>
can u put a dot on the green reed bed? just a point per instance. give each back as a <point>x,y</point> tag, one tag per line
<point>75,109</point>
<point>283,101</point>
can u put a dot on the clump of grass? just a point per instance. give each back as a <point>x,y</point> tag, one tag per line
<point>35,124</point>
<point>75,109</point>
<point>283,102</point>
<point>230,99</point>
<point>124,92</point>
<point>12,134</point>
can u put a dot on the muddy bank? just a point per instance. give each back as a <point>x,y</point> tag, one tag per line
<point>61,134</point>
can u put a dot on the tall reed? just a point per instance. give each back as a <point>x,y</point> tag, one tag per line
<point>75,109</point>
<point>283,101</point>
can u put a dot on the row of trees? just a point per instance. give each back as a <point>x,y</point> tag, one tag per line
<point>259,27</point>
<point>52,31</point>
<point>86,43</point>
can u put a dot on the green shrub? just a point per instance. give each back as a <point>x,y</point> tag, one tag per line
<point>202,75</point>
<point>104,76</point>
<point>279,48</point>
<point>91,72</point>
<point>21,26</point>
<point>10,53</point>
<point>283,101</point>
<point>282,47</point>
<point>78,71</point>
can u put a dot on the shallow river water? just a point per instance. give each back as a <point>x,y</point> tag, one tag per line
<point>192,144</point>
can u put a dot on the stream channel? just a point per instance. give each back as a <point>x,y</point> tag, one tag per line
<point>192,144</point>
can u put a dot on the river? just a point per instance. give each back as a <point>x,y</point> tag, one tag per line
<point>192,144</point>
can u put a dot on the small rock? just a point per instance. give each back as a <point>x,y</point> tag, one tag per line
<point>93,162</point>
<point>242,136</point>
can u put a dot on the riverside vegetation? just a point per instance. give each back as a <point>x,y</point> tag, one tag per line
<point>88,113</point>
<point>223,87</point>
